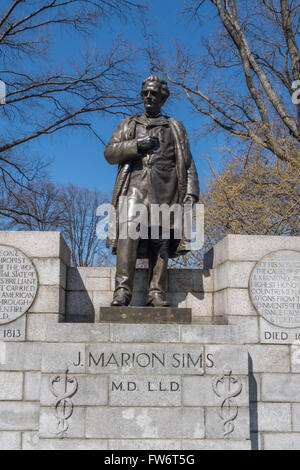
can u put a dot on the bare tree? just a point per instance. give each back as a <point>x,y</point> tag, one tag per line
<point>252,195</point>
<point>38,206</point>
<point>72,210</point>
<point>43,96</point>
<point>79,227</point>
<point>244,81</point>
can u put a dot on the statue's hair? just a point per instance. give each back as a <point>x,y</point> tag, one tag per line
<point>163,85</point>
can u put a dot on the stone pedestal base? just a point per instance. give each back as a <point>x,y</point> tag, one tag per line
<point>145,315</point>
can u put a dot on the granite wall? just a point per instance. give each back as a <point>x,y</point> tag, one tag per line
<point>112,406</point>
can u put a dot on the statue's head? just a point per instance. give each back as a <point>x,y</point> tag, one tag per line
<point>155,92</point>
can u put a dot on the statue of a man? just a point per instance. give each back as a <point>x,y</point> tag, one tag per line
<point>155,167</point>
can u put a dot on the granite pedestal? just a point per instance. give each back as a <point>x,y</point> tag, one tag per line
<point>145,315</point>
<point>228,380</point>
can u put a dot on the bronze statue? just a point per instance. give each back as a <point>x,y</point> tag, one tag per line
<point>155,167</point>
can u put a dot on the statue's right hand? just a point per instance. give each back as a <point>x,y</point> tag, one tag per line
<point>147,143</point>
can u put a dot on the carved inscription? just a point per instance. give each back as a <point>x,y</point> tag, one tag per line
<point>18,284</point>
<point>275,288</point>
<point>146,359</point>
<point>145,390</point>
<point>227,387</point>
<point>63,405</point>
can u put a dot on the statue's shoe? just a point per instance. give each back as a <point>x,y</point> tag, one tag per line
<point>121,299</point>
<point>157,300</point>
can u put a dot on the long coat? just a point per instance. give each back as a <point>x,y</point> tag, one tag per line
<point>122,150</point>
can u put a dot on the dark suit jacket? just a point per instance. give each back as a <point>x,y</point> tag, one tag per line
<point>122,150</point>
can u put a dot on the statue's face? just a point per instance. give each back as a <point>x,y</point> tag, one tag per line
<point>152,97</point>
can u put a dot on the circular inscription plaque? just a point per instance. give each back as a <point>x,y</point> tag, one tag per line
<point>275,288</point>
<point>18,284</point>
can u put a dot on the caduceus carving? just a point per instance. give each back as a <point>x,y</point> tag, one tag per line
<point>227,387</point>
<point>63,405</point>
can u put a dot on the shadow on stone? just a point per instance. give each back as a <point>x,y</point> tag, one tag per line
<point>253,406</point>
<point>79,307</point>
<point>208,260</point>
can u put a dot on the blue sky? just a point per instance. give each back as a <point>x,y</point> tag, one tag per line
<point>78,156</point>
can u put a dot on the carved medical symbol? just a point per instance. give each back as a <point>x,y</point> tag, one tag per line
<point>63,404</point>
<point>226,388</point>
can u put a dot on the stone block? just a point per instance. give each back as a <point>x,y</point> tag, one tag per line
<point>145,359</point>
<point>30,440</point>
<point>145,391</point>
<point>20,357</point>
<point>19,416</point>
<point>138,299</point>
<point>87,272</point>
<point>295,417</point>
<point>254,387</point>
<point>14,331</point>
<point>200,303</point>
<point>75,280</point>
<point>144,444</point>
<point>10,440</point>
<point>32,386</point>
<point>80,319</point>
<point>79,303</point>
<point>215,428</point>
<point>271,334</point>
<point>51,271</point>
<point>72,444</point>
<point>145,333</point>
<point>267,358</point>
<point>280,441</point>
<point>177,300</point>
<point>101,299</point>
<point>280,387</point>
<point>49,423</point>
<point>209,320</point>
<point>233,302</point>
<point>218,444</point>
<point>59,357</point>
<point>78,278</point>
<point>83,333</point>
<point>98,284</point>
<point>11,385</point>
<point>198,391</point>
<point>147,423</point>
<point>234,357</point>
<point>190,280</point>
<point>295,358</point>
<point>233,274</point>
<point>212,334</point>
<point>49,299</point>
<point>37,325</point>
<point>271,417</point>
<point>248,326</point>
<point>38,244</point>
<point>140,280</point>
<point>3,353</point>
<point>113,279</point>
<point>91,391</point>
<point>251,247</point>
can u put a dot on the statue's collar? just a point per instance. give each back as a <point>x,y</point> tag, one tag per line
<point>149,121</point>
